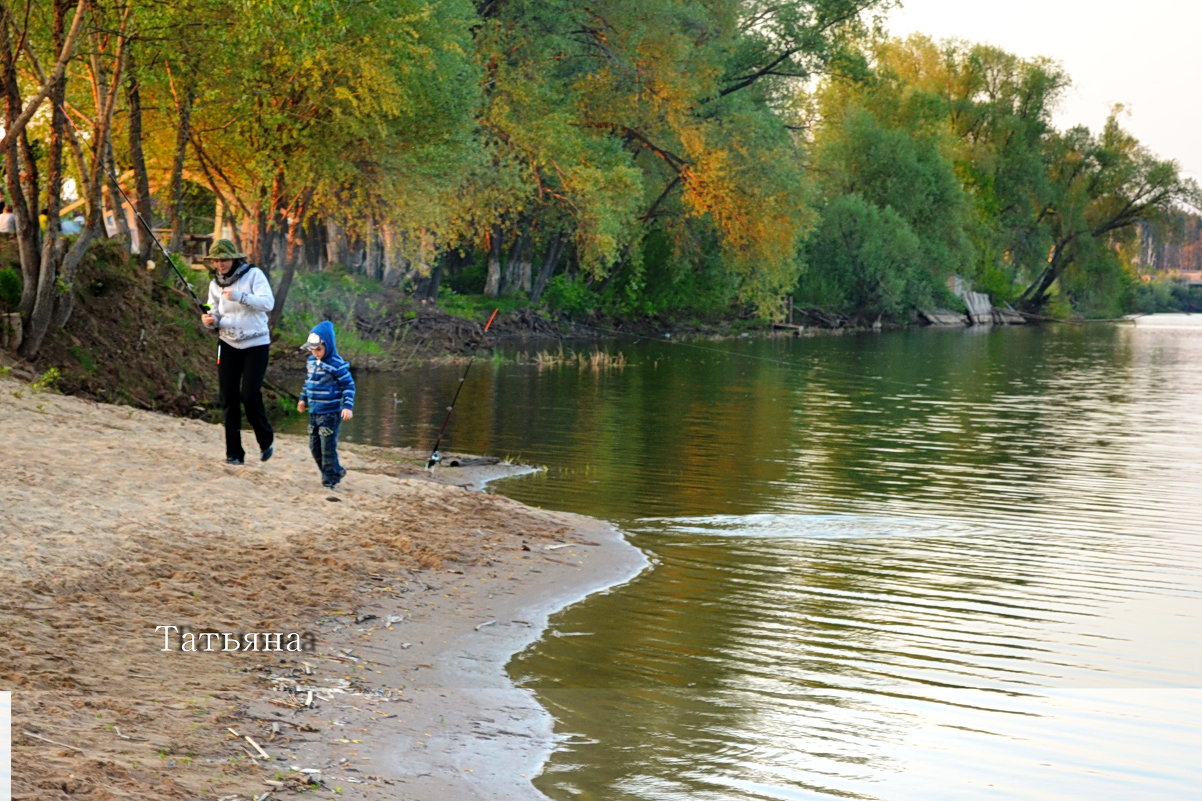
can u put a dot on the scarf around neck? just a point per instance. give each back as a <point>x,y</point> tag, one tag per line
<point>224,281</point>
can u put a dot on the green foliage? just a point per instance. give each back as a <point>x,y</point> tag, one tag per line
<point>903,171</point>
<point>84,358</point>
<point>466,281</point>
<point>1103,188</point>
<point>330,295</point>
<point>610,121</point>
<point>477,307</point>
<point>570,296</point>
<point>1157,295</point>
<point>45,382</point>
<point>866,260</point>
<point>10,287</point>
<point>673,279</point>
<point>664,157</point>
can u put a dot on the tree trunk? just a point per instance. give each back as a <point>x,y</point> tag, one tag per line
<point>337,248</point>
<point>526,270</point>
<point>183,108</point>
<point>512,274</point>
<point>427,288</point>
<point>65,49</point>
<point>388,271</point>
<point>550,262</point>
<point>373,266</point>
<point>16,146</point>
<point>492,284</point>
<point>517,254</point>
<point>1034,297</point>
<point>315,247</point>
<point>137,158</point>
<point>291,255</point>
<point>102,144</point>
<point>42,313</point>
<point>116,200</point>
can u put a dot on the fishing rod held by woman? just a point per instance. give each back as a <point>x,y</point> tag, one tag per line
<point>239,299</point>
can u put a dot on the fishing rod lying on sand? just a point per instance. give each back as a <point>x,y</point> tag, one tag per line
<point>435,456</point>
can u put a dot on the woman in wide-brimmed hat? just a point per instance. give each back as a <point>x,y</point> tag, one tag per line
<point>239,299</point>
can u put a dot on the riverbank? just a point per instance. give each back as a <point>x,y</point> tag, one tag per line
<point>407,592</point>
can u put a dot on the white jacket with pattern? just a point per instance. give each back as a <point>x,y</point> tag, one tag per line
<point>242,320</point>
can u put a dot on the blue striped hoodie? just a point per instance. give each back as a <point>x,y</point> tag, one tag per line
<point>329,387</point>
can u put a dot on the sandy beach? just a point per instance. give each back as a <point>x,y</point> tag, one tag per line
<point>380,616</point>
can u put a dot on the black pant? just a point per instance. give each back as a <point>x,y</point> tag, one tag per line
<point>240,373</point>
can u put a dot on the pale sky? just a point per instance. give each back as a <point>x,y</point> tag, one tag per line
<point>1146,55</point>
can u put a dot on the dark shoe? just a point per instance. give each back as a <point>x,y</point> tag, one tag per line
<point>233,460</point>
<point>329,485</point>
<point>342,472</point>
<point>267,454</point>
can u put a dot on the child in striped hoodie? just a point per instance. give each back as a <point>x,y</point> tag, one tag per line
<point>329,396</point>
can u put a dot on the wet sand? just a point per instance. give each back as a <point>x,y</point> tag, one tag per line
<point>413,589</point>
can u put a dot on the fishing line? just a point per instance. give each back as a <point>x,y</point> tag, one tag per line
<point>182,279</point>
<point>204,307</point>
<point>435,456</point>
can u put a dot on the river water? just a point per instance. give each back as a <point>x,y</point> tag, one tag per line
<point>925,565</point>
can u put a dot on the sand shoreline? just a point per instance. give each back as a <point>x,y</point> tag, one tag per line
<point>468,732</point>
<point>417,593</point>
<point>441,719</point>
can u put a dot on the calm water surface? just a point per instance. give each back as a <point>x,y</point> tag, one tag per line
<point>923,565</point>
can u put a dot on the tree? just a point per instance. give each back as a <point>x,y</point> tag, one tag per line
<point>627,119</point>
<point>48,263</point>
<point>1104,187</point>
<point>866,260</point>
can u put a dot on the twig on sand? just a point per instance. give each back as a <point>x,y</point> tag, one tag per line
<point>262,753</point>
<point>126,736</point>
<point>28,733</point>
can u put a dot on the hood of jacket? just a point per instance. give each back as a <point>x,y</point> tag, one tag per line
<point>325,330</point>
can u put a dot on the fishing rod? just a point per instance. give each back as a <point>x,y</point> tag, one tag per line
<point>435,456</point>
<point>204,307</point>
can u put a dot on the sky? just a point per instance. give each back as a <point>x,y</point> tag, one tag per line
<point>1146,55</point>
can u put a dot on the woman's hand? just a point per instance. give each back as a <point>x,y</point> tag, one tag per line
<point>208,319</point>
<point>227,293</point>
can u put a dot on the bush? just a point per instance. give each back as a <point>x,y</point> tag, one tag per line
<point>10,287</point>
<point>570,296</point>
<point>866,261</point>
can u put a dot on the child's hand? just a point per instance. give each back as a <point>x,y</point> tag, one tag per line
<point>301,406</point>
<point>228,294</point>
<point>347,414</point>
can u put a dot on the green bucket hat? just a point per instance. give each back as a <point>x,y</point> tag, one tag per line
<point>223,249</point>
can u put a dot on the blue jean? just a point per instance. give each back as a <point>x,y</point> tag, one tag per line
<point>323,444</point>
